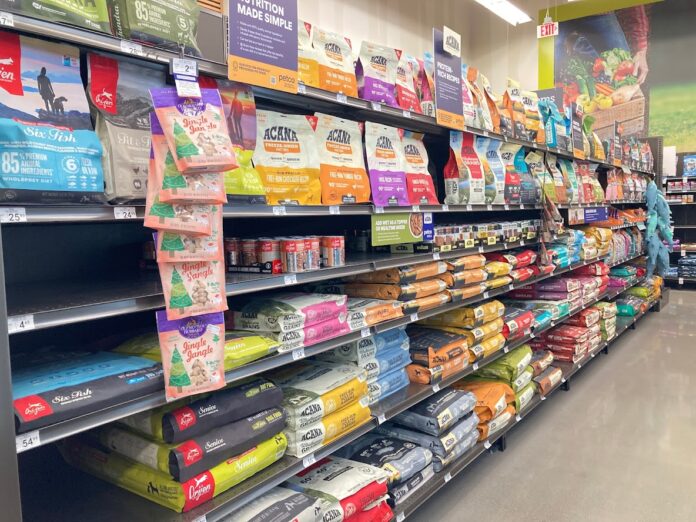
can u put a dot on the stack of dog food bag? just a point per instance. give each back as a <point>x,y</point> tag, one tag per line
<point>522,266</point>
<point>607,319</point>
<point>184,454</point>
<point>191,149</point>
<point>383,356</point>
<point>602,239</point>
<point>495,404</point>
<point>322,401</point>
<point>444,424</point>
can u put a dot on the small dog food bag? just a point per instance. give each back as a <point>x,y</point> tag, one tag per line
<point>93,15</point>
<point>376,73</point>
<point>508,151</point>
<point>481,148</point>
<point>286,156</point>
<point>385,160</point>
<point>427,85</point>
<point>335,58</point>
<point>488,148</point>
<point>421,190</point>
<point>307,64</point>
<point>456,175</point>
<point>513,101</point>
<point>193,353</point>
<point>469,103</point>
<point>195,129</point>
<point>406,83</point>
<point>530,186</point>
<point>491,101</point>
<point>535,162</point>
<point>281,504</point>
<point>485,119</point>
<point>472,162</point>
<point>557,176</point>
<point>532,119</point>
<point>341,161</point>
<point>193,288</point>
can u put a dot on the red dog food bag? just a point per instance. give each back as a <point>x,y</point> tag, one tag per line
<point>421,190</point>
<point>406,92</point>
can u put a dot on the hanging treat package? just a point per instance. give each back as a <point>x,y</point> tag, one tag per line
<point>286,157</point>
<point>376,73</point>
<point>407,71</point>
<point>341,161</point>
<point>307,65</point>
<point>50,152</point>
<point>170,24</point>
<point>175,187</point>
<point>385,160</point>
<point>193,288</point>
<point>335,58</point>
<point>175,247</point>
<point>242,184</point>
<point>421,190</point>
<point>193,353</point>
<point>120,106</point>
<point>195,130</point>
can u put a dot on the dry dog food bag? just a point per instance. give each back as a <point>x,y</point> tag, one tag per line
<point>513,101</point>
<point>50,154</point>
<point>385,160</point>
<point>472,163</point>
<point>307,65</point>
<point>427,85</point>
<point>193,353</point>
<point>195,129</point>
<point>406,77</point>
<point>93,15</point>
<point>286,156</point>
<point>243,184</point>
<point>376,73</point>
<point>469,102</point>
<point>335,58</point>
<point>530,186</point>
<point>535,162</point>
<point>484,113</point>
<point>169,24</point>
<point>494,172</point>
<point>192,288</point>
<point>341,161</point>
<point>481,148</point>
<point>490,100</point>
<point>281,504</point>
<point>421,190</point>
<point>557,176</point>
<point>532,120</point>
<point>508,152</point>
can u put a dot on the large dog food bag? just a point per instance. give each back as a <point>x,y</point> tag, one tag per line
<point>421,190</point>
<point>386,163</point>
<point>282,504</point>
<point>307,64</point>
<point>341,161</point>
<point>363,350</point>
<point>335,58</point>
<point>286,156</point>
<point>376,73</point>
<point>437,413</point>
<point>93,15</point>
<point>52,154</point>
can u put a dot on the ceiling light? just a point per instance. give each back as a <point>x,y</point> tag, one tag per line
<point>505,10</point>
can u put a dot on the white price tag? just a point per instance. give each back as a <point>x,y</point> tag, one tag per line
<point>445,208</point>
<point>415,208</point>
<point>309,460</point>
<point>521,206</point>
<point>400,517</point>
<point>436,256</point>
<point>184,66</point>
<point>475,366</point>
<point>27,441</point>
<point>125,213</point>
<point>448,477</point>
<point>414,317</point>
<point>6,19</point>
<point>486,295</point>
<point>13,215</point>
<point>341,98</point>
<point>487,445</point>
<point>531,335</point>
<point>202,518</point>
<point>521,242</point>
<point>379,210</point>
<point>280,210</point>
<point>407,114</point>
<point>334,210</point>
<point>298,354</point>
<point>543,397</point>
<point>579,366</point>
<point>301,88</point>
<point>290,279</point>
<point>187,89</point>
<point>481,250</point>
<point>507,207</point>
<point>376,106</point>
<point>489,207</point>
<point>381,418</point>
<point>20,323</point>
<point>683,253</point>
<point>133,48</point>
<point>485,133</point>
<point>681,280</point>
<point>506,349</point>
<point>365,332</point>
<point>436,388</point>
<point>592,355</point>
<point>469,207</point>
<point>518,417</point>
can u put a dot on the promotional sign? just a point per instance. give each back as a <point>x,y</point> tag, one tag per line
<point>263,43</point>
<point>448,85</point>
<point>617,155</point>
<point>392,229</point>
<point>580,216</point>
<point>555,95</point>
<point>576,129</point>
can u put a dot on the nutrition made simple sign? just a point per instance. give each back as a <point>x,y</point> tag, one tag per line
<point>263,43</point>
<point>394,229</point>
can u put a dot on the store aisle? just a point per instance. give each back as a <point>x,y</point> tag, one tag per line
<point>617,447</point>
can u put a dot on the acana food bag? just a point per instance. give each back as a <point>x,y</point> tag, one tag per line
<point>376,73</point>
<point>427,85</point>
<point>508,151</point>
<point>406,78</point>
<point>193,288</point>
<point>476,172</point>
<point>341,161</point>
<point>385,159</point>
<point>335,58</point>
<point>195,129</point>
<point>421,190</point>
<point>193,353</point>
<point>307,65</point>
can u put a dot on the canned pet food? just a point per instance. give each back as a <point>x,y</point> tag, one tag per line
<point>232,251</point>
<point>292,254</point>
<point>333,251</point>
<point>267,250</point>
<point>248,248</point>
<point>312,253</point>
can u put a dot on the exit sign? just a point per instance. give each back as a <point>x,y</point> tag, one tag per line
<point>547,29</point>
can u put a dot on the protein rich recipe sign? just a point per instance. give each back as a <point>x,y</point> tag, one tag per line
<point>448,85</point>
<point>263,43</point>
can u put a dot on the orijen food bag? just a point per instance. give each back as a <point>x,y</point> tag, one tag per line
<point>406,93</point>
<point>484,113</point>
<point>469,103</point>
<point>376,73</point>
<point>341,161</point>
<point>421,190</point>
<point>532,120</point>
<point>552,165</point>
<point>476,172</point>
<point>570,179</point>
<point>307,64</point>
<point>193,288</point>
<point>491,101</point>
<point>507,126</point>
<point>498,169</point>
<point>515,105</point>
<point>481,148</point>
<point>243,184</point>
<point>335,58</point>
<point>427,85</point>
<point>193,354</point>
<point>385,160</point>
<point>530,186</point>
<point>287,159</point>
<point>195,129</point>
<point>508,152</point>
<point>455,173</point>
<point>535,162</point>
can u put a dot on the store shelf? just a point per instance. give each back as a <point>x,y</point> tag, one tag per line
<point>77,301</point>
<point>682,191</point>
<point>627,202</point>
<point>679,203</point>
<point>571,206</point>
<point>619,227</point>
<point>684,226</point>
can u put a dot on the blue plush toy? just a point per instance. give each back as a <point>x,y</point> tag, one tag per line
<point>658,229</point>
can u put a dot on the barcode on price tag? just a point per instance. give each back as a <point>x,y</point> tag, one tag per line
<point>301,88</point>
<point>125,213</point>
<point>414,317</point>
<point>13,215</point>
<point>280,210</point>
<point>6,19</point>
<point>407,114</point>
<point>341,98</point>
<point>436,388</point>
<point>365,332</point>
<point>518,418</point>
<point>448,477</point>
<point>436,256</point>
<point>487,444</point>
<point>20,323</point>
<point>133,48</point>
<point>334,210</point>
<point>401,517</point>
<point>27,441</point>
<point>309,460</point>
<point>376,106</point>
<point>298,354</point>
<point>290,279</point>
<point>381,418</point>
<point>475,366</point>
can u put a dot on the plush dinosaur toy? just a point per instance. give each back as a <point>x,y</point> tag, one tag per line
<point>658,229</point>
